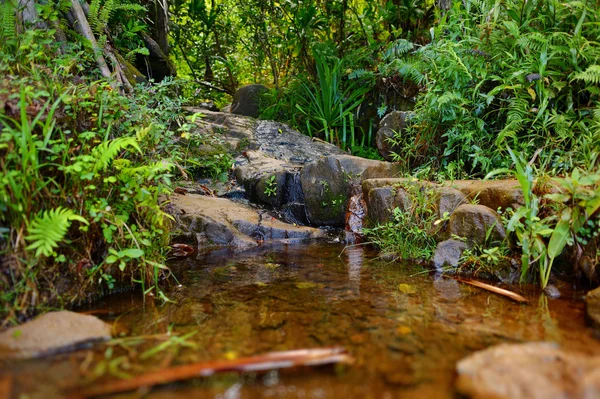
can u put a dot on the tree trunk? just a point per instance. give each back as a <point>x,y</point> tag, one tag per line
<point>82,26</point>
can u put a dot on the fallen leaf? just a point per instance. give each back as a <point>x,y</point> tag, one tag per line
<point>407,289</point>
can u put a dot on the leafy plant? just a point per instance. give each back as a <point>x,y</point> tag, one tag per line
<point>271,186</point>
<point>328,104</point>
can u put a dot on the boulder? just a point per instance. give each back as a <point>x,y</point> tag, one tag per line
<point>381,202</point>
<point>392,123</point>
<point>246,100</point>
<point>536,370</point>
<point>52,333</point>
<point>327,183</point>
<point>492,193</point>
<point>448,199</point>
<point>473,222</point>
<point>592,307</point>
<point>448,253</point>
<point>218,222</point>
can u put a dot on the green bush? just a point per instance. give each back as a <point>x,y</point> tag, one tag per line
<point>523,74</point>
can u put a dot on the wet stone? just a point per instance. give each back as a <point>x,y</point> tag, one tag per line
<point>51,333</point>
<point>532,371</point>
<point>448,253</point>
<point>473,222</point>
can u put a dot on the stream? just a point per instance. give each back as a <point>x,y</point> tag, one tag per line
<point>405,328</point>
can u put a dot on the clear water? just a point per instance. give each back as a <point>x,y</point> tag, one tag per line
<point>406,329</point>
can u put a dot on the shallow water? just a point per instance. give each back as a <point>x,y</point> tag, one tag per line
<point>405,329</point>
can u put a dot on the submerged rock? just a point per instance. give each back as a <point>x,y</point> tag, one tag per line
<point>51,333</point>
<point>327,185</point>
<point>448,253</point>
<point>533,370</point>
<point>212,221</point>
<point>473,223</point>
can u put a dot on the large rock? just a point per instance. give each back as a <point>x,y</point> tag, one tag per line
<point>492,193</point>
<point>213,221</point>
<point>51,333</point>
<point>392,123</point>
<point>381,202</point>
<point>448,199</point>
<point>246,100</point>
<point>592,306</point>
<point>528,371</point>
<point>473,222</point>
<point>327,183</point>
<point>448,253</point>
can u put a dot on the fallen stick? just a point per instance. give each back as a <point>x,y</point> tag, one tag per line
<point>269,361</point>
<point>496,290</point>
<point>6,386</point>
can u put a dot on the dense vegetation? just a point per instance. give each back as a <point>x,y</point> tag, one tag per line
<point>89,144</point>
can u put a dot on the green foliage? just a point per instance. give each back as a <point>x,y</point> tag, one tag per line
<point>49,228</point>
<point>85,153</point>
<point>328,104</point>
<point>8,30</point>
<point>572,220</point>
<point>411,232</point>
<point>498,74</point>
<point>271,186</point>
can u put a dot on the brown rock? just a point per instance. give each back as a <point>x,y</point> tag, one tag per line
<point>473,222</point>
<point>221,222</point>
<point>381,202</point>
<point>536,370</point>
<point>51,333</point>
<point>327,185</point>
<point>592,307</point>
<point>492,193</point>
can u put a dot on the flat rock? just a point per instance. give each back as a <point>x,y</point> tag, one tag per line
<point>52,333</point>
<point>213,221</point>
<point>492,193</point>
<point>473,222</point>
<point>535,370</point>
<point>327,184</point>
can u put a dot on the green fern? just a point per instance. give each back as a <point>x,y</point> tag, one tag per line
<point>49,228</point>
<point>590,76</point>
<point>106,152</point>
<point>7,20</point>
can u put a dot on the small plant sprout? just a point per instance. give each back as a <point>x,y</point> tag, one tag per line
<point>271,186</point>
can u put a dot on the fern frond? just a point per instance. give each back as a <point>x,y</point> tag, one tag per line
<point>106,152</point>
<point>590,76</point>
<point>8,13</point>
<point>48,229</point>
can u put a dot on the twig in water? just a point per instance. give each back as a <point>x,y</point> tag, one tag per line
<point>500,291</point>
<point>269,361</point>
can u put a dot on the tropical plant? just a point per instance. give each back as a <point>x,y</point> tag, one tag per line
<point>329,103</point>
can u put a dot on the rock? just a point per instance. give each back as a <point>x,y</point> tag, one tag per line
<point>209,105</point>
<point>492,193</point>
<point>215,221</point>
<point>51,333</point>
<point>381,202</point>
<point>535,370</point>
<point>592,307</point>
<point>369,184</point>
<point>391,124</point>
<point>552,292</point>
<point>246,100</point>
<point>327,182</point>
<point>448,199</point>
<point>448,253</point>
<point>473,222</point>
